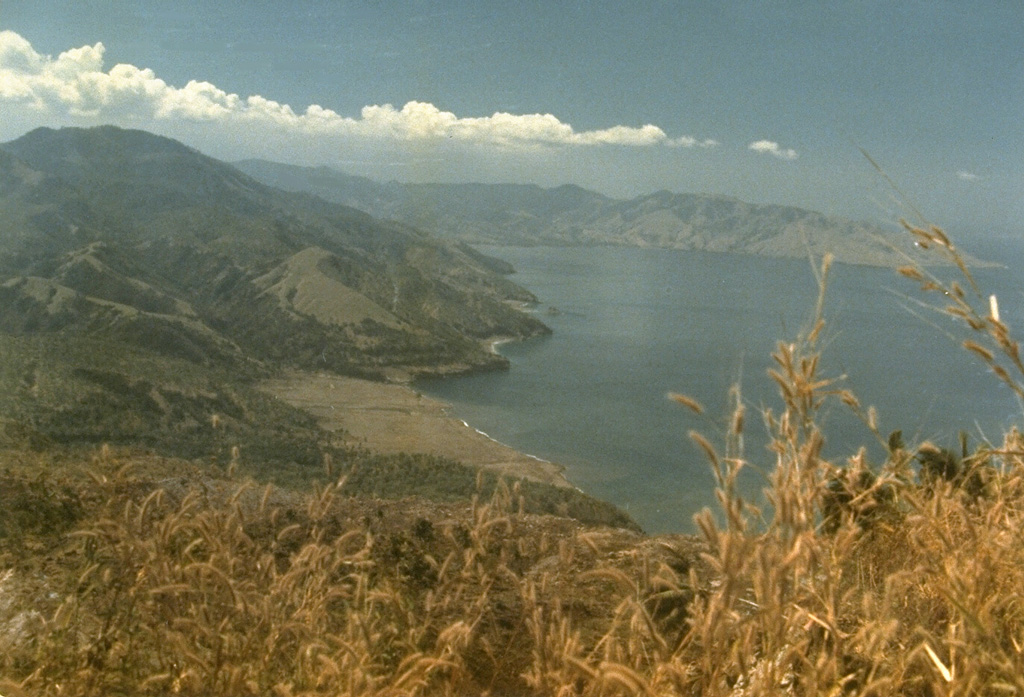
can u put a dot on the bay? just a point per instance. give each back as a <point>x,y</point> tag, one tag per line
<point>631,325</point>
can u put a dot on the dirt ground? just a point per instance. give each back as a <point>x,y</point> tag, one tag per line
<point>392,418</point>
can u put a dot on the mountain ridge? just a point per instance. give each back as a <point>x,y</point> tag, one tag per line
<point>528,215</point>
<point>127,227</point>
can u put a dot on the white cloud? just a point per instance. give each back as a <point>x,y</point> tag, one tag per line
<point>967,176</point>
<point>75,85</point>
<point>772,148</point>
<point>690,142</point>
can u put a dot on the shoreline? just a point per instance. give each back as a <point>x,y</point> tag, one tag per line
<point>394,417</point>
<point>503,445</point>
<point>493,344</point>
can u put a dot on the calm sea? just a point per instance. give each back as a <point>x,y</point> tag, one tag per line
<point>631,325</point>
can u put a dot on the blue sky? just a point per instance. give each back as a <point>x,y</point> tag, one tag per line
<point>765,101</point>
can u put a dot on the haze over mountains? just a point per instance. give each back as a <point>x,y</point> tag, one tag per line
<point>139,276</point>
<point>527,215</point>
<point>129,235</point>
<point>132,237</point>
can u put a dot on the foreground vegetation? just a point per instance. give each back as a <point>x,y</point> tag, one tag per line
<point>850,578</point>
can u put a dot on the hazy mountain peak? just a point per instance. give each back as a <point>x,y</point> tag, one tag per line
<point>95,139</point>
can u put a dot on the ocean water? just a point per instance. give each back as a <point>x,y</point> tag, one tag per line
<point>631,325</point>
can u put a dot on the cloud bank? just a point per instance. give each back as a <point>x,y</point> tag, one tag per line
<point>966,176</point>
<point>772,148</point>
<point>74,85</point>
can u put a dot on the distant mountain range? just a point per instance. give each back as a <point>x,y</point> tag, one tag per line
<point>127,235</point>
<point>527,215</point>
<point>144,285</point>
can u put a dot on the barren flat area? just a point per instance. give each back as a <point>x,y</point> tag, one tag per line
<point>390,418</point>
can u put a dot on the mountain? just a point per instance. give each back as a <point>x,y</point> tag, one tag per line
<point>526,215</point>
<point>127,235</point>
<point>147,291</point>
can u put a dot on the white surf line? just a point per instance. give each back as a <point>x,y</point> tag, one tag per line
<point>505,445</point>
<point>495,343</point>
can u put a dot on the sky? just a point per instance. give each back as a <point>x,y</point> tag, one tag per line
<point>771,102</point>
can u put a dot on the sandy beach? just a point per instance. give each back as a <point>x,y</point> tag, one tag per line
<point>390,418</point>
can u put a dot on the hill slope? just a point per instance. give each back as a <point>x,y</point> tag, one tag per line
<point>123,233</point>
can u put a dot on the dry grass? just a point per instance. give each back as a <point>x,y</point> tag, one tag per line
<point>851,579</point>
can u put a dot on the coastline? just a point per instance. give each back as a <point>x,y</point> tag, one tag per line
<point>393,418</point>
<point>493,344</point>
